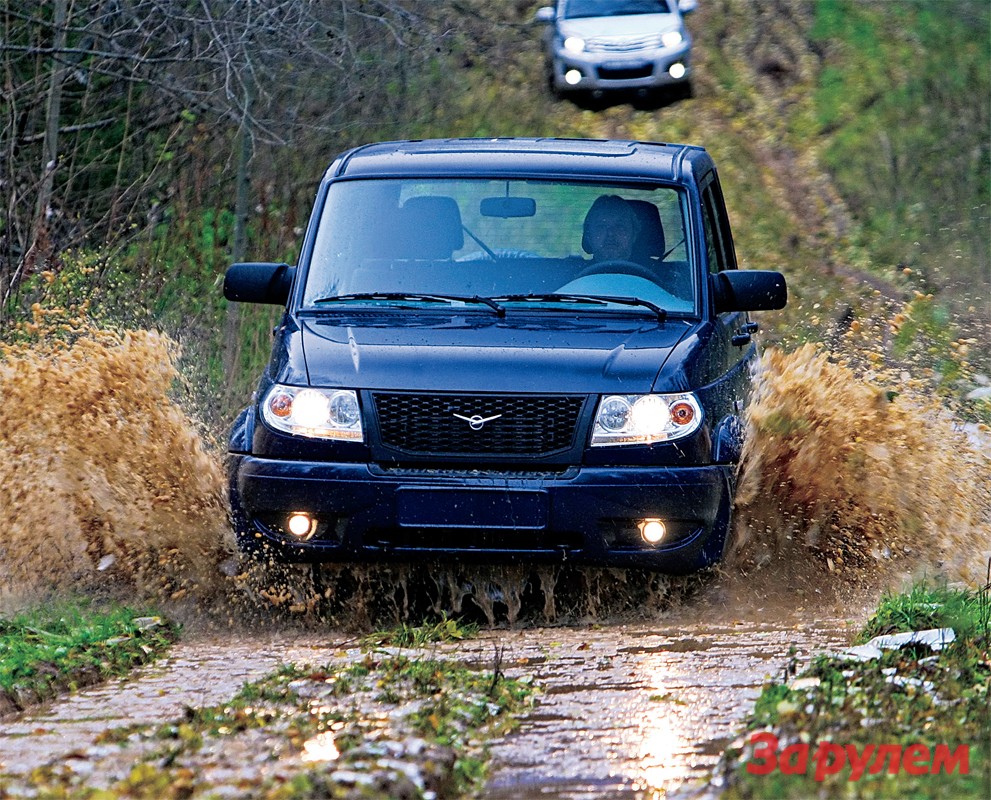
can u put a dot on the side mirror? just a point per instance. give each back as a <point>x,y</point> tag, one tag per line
<point>687,6</point>
<point>544,14</point>
<point>749,290</point>
<point>259,282</point>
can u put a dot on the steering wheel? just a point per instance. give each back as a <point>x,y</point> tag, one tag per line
<point>621,266</point>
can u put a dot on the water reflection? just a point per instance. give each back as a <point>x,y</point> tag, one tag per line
<point>321,747</point>
<point>664,706</point>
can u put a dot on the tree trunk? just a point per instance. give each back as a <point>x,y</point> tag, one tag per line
<point>232,327</point>
<point>49,157</point>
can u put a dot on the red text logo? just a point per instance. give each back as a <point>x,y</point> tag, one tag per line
<point>831,759</point>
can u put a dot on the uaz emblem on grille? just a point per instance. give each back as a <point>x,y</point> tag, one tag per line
<point>477,421</point>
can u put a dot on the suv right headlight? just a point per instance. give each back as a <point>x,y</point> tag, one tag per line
<point>645,418</point>
<point>316,413</point>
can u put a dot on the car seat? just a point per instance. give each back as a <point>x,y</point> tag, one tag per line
<point>649,244</point>
<point>429,228</point>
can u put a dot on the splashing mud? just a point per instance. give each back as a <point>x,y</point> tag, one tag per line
<point>859,476</point>
<point>107,489</point>
<point>105,486</point>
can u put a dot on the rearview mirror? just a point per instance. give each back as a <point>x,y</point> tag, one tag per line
<point>545,14</point>
<point>259,282</point>
<point>508,207</point>
<point>749,290</point>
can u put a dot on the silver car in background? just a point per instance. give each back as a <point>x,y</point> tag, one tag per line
<point>603,45</point>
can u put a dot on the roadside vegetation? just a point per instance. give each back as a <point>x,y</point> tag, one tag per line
<point>378,722</point>
<point>895,726</point>
<point>64,647</point>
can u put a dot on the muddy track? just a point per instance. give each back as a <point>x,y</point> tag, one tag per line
<point>623,709</point>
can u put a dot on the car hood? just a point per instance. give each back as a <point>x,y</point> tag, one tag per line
<point>549,353</point>
<point>633,25</point>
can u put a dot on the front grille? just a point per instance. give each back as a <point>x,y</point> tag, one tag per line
<point>514,425</point>
<point>623,44</point>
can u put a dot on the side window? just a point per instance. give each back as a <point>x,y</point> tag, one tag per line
<point>713,234</point>
<point>718,219</point>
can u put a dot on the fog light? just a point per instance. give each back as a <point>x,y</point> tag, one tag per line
<point>652,530</point>
<point>572,76</point>
<point>301,525</point>
<point>677,70</point>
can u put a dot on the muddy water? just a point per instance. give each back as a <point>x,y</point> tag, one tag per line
<point>198,673</point>
<point>105,484</point>
<point>625,710</point>
<point>633,712</point>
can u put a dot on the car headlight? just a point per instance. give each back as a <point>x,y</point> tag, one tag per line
<point>574,44</point>
<point>672,38</point>
<point>318,413</point>
<point>645,418</point>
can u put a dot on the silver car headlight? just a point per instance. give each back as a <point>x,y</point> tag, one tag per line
<point>574,44</point>
<point>317,413</point>
<point>672,38</point>
<point>645,418</point>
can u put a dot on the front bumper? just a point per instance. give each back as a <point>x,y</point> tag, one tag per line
<point>611,71</point>
<point>584,515</point>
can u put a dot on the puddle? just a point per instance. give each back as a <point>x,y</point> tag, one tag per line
<point>197,673</point>
<point>642,721</point>
<point>626,710</point>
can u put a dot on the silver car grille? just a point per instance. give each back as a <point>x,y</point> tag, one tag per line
<point>623,44</point>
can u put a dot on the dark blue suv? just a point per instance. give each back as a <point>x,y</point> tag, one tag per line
<point>503,350</point>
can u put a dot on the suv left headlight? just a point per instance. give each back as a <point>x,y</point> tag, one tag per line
<point>645,418</point>
<point>317,413</point>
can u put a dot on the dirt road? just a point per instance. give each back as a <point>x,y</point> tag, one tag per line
<point>624,710</point>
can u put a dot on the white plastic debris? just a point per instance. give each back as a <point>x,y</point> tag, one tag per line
<point>804,683</point>
<point>934,638</point>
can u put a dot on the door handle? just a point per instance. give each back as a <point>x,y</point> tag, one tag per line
<point>744,334</point>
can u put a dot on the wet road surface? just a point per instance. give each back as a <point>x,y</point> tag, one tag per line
<point>638,710</point>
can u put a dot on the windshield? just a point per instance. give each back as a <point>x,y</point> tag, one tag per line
<point>409,242</point>
<point>574,9</point>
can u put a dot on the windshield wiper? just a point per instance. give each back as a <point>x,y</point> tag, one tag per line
<point>427,298</point>
<point>600,300</point>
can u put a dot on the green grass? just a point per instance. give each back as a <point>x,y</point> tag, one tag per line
<point>444,630</point>
<point>922,607</point>
<point>908,697</point>
<point>50,650</point>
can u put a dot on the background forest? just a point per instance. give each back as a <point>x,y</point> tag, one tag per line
<point>146,144</point>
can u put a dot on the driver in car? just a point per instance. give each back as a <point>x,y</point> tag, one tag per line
<point>610,230</point>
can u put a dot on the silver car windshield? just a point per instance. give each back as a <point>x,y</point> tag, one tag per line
<point>575,9</point>
<point>413,241</point>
